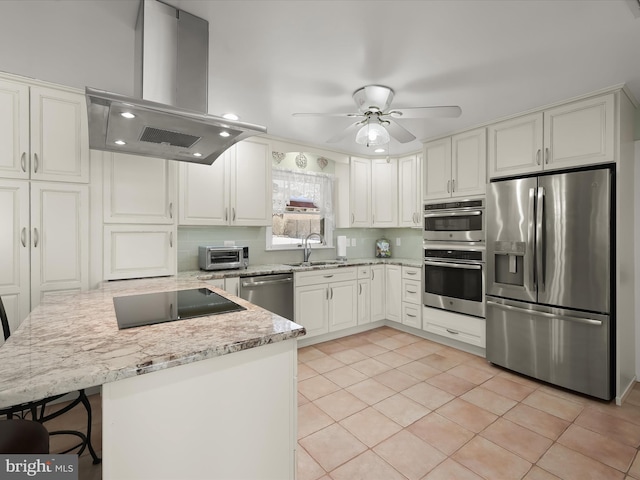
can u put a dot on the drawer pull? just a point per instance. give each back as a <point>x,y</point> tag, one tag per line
<point>412,291</point>
<point>409,315</point>
<point>452,332</point>
<point>327,276</point>
<point>412,273</point>
<point>23,162</point>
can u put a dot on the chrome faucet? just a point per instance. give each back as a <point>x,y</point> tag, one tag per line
<point>307,247</point>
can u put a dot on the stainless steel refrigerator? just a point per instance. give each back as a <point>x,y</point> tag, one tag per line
<point>549,278</point>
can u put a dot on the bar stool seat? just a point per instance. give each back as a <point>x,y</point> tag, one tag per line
<point>23,436</point>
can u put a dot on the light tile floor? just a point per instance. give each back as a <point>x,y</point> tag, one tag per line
<point>388,405</point>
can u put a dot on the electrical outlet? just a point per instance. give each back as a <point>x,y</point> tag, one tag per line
<point>229,243</point>
<point>353,242</point>
<point>398,241</point>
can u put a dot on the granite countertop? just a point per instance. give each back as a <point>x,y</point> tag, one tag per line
<point>268,269</point>
<point>72,341</point>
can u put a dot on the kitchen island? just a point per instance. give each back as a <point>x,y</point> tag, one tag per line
<point>207,397</point>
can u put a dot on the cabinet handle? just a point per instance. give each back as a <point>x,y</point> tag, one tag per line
<point>453,185</point>
<point>170,209</point>
<point>171,239</point>
<point>326,293</point>
<point>36,163</point>
<point>23,236</point>
<point>412,291</point>
<point>409,315</point>
<point>360,292</point>
<point>328,276</point>
<point>36,238</point>
<point>233,214</point>
<point>452,332</point>
<point>331,290</point>
<point>538,157</point>
<point>226,214</point>
<point>373,274</point>
<point>373,219</point>
<point>546,155</point>
<point>411,273</point>
<point>23,161</point>
<point>353,218</point>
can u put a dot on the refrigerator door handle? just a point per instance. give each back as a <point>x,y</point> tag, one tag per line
<point>540,240</point>
<point>587,321</point>
<point>531,240</point>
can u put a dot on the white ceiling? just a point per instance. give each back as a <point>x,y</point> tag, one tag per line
<point>492,58</point>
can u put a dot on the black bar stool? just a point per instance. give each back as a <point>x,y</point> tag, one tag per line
<point>23,436</point>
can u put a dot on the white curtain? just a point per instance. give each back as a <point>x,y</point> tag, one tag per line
<point>308,186</point>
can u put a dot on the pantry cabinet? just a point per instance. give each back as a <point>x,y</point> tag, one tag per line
<point>44,243</point>
<point>409,191</point>
<point>43,133</point>
<point>455,166</point>
<point>326,300</point>
<point>234,190</point>
<point>576,134</point>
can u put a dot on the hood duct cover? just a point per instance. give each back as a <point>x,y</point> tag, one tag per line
<point>171,74</point>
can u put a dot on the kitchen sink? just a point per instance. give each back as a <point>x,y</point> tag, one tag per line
<point>317,263</point>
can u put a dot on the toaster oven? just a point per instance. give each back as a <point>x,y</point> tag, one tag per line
<point>223,258</point>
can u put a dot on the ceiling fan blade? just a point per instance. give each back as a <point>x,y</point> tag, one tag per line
<point>451,111</point>
<point>327,114</point>
<point>398,132</point>
<point>350,130</point>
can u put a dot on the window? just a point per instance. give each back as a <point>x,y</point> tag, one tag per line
<point>302,204</point>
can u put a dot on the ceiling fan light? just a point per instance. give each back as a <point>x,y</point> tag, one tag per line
<point>372,135</point>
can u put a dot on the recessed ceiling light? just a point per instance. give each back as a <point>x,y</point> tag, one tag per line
<point>197,154</point>
<point>127,115</point>
<point>120,142</point>
<point>230,116</point>
<point>224,134</point>
<point>379,150</point>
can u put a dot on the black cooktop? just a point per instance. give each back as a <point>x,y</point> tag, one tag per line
<point>151,308</point>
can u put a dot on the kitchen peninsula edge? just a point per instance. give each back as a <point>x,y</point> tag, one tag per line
<point>179,398</point>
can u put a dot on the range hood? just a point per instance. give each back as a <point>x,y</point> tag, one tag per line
<point>167,118</point>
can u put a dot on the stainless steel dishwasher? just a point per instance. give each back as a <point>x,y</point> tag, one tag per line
<point>271,292</point>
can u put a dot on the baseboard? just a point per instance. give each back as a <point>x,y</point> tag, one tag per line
<point>625,393</point>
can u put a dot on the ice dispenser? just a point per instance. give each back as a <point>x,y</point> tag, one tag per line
<point>509,263</point>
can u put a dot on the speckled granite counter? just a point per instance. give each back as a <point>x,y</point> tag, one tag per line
<point>72,340</point>
<point>294,267</point>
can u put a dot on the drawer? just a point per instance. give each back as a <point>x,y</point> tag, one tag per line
<point>412,273</point>
<point>412,315</point>
<point>329,275</point>
<point>412,291</point>
<point>452,325</point>
<point>364,271</point>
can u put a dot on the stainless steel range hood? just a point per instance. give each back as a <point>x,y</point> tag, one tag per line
<point>168,119</point>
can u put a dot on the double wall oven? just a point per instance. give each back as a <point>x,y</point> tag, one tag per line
<point>454,256</point>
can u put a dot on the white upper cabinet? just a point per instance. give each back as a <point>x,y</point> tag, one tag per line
<point>384,192</point>
<point>579,133</point>
<point>360,192</point>
<point>455,166</point>
<point>139,189</point>
<point>409,194</point>
<point>571,135</point>
<point>234,190</point>
<point>43,133</point>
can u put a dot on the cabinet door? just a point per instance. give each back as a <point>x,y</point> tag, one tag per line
<point>311,307</point>
<point>469,163</point>
<point>59,136</point>
<point>139,251</point>
<point>59,238</point>
<point>14,130</point>
<point>393,286</point>
<point>515,146</point>
<point>14,249</point>
<point>378,303</point>
<point>409,206</point>
<point>232,285</point>
<point>343,305</point>
<point>364,301</point>
<point>579,133</point>
<point>360,192</point>
<point>204,193</point>
<point>437,169</point>
<point>251,184</point>
<point>138,189</point>
<point>384,193</point>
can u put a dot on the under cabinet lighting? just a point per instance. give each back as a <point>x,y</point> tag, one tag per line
<point>224,134</point>
<point>197,154</point>
<point>231,116</point>
<point>120,142</point>
<point>127,115</point>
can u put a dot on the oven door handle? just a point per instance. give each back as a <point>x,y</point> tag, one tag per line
<point>454,213</point>
<point>465,266</point>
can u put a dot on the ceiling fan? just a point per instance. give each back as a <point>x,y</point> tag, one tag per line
<point>377,122</point>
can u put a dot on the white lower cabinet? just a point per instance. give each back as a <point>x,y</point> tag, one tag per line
<point>230,285</point>
<point>411,297</point>
<point>364,295</point>
<point>326,300</point>
<point>378,302</point>
<point>44,243</point>
<point>393,281</point>
<point>462,328</point>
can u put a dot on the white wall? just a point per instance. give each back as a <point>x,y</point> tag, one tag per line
<point>70,42</point>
